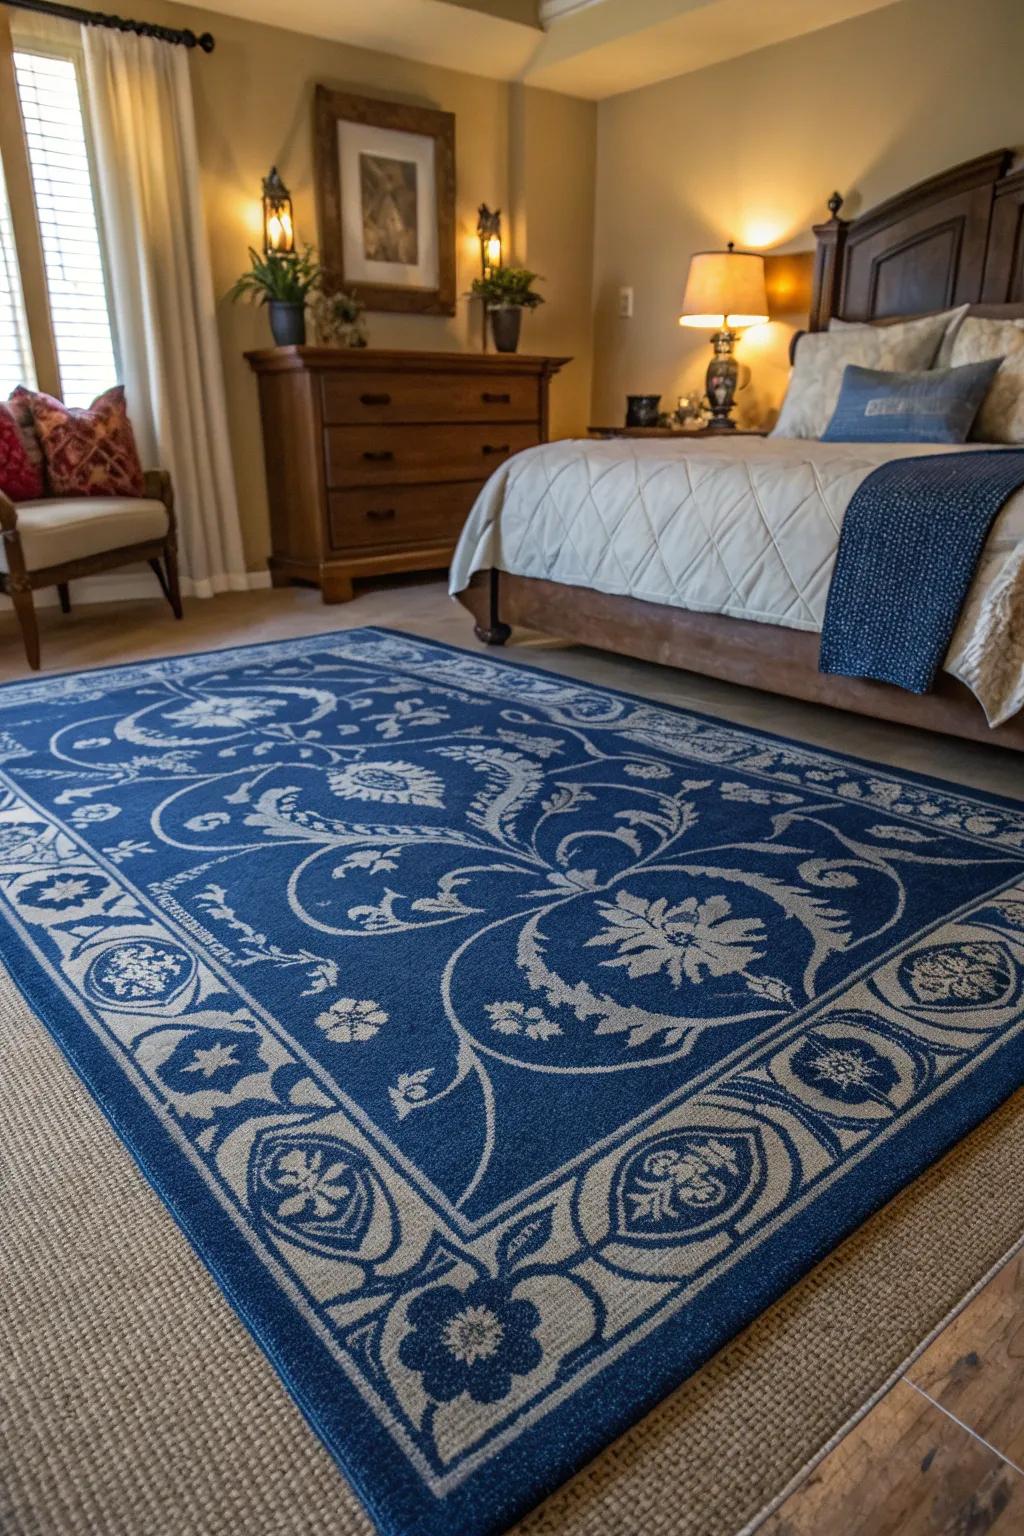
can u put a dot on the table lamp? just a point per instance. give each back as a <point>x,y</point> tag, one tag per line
<point>724,292</point>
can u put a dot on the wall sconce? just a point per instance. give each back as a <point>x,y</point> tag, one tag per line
<point>489,230</point>
<point>278,229</point>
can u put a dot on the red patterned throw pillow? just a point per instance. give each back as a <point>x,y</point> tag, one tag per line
<point>88,452</point>
<point>20,407</point>
<point>20,479</point>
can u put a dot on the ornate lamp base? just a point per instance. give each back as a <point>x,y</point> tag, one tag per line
<point>722,381</point>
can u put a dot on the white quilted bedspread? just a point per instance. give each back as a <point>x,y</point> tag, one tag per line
<point>747,527</point>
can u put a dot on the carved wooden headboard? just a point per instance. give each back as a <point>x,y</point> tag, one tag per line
<point>957,238</point>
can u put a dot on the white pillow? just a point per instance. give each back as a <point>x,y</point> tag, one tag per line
<point>953,317</point>
<point>1001,418</point>
<point>822,356</point>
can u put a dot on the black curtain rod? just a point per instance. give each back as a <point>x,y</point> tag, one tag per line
<point>183,39</point>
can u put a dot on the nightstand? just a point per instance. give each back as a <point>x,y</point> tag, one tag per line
<point>677,432</point>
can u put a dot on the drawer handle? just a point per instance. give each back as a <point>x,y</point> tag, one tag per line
<point>496,448</point>
<point>489,399</point>
<point>380,514</point>
<point>375,399</point>
<point>378,455</point>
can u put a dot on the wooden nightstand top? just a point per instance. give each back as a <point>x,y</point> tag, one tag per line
<point>678,432</point>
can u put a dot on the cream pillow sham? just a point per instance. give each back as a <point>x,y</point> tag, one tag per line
<point>822,356</point>
<point>1001,418</point>
<point>953,320</point>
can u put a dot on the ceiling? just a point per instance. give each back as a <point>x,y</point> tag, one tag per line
<point>609,46</point>
<point>588,48</point>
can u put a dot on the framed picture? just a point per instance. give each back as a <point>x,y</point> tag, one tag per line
<point>385,186</point>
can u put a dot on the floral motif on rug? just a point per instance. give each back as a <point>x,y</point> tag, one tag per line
<point>502,1044</point>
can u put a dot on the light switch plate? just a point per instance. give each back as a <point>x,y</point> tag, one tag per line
<point>625,303</point>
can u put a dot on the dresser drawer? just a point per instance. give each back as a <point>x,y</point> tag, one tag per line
<point>406,455</point>
<point>349,398</point>
<point>399,514</point>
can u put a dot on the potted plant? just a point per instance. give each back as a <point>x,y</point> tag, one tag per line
<point>339,319</point>
<point>506,292</point>
<point>283,281</point>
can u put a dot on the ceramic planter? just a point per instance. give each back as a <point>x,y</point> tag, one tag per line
<point>506,322</point>
<point>287,323</point>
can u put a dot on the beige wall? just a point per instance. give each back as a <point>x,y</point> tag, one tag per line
<point>751,149</point>
<point>254,107</point>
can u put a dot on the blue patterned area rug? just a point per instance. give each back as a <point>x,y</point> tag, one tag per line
<point>502,1044</point>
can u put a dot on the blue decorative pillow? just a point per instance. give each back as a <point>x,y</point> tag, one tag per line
<point>934,407</point>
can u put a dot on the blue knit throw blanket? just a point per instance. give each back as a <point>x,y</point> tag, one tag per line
<point>911,541</point>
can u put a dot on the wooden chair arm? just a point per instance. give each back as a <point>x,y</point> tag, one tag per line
<point>16,578</point>
<point>158,487</point>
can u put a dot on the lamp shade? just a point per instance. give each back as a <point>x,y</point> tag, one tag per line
<point>725,288</point>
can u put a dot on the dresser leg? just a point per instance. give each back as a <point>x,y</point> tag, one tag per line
<point>336,589</point>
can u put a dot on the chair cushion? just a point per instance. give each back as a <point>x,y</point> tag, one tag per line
<point>56,531</point>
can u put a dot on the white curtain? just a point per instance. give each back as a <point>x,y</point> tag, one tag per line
<point>139,104</point>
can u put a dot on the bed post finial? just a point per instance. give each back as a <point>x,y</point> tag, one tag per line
<point>828,265</point>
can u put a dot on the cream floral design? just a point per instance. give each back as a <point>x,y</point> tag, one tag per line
<point>406,713</point>
<point>82,815</point>
<point>223,714</point>
<point>675,1177</point>
<point>515,1018</point>
<point>964,973</point>
<point>349,1020</point>
<point>208,1060</point>
<point>694,938</point>
<point>750,794</point>
<point>141,970</point>
<point>410,1090</point>
<point>647,770</point>
<point>64,889</point>
<point>307,1185</point>
<point>388,783</point>
<point>844,1066</point>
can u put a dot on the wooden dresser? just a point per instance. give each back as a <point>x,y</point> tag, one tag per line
<point>374,458</point>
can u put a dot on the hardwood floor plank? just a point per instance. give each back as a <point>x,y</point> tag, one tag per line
<point>907,1469</point>
<point>975,1368</point>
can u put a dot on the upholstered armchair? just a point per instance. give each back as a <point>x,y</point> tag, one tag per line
<point>52,542</point>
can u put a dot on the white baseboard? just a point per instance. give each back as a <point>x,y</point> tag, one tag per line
<point>137,582</point>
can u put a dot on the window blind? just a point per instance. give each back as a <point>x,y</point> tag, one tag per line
<point>15,349</point>
<point>59,159</point>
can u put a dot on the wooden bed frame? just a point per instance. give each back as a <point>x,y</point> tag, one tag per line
<point>957,238</point>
